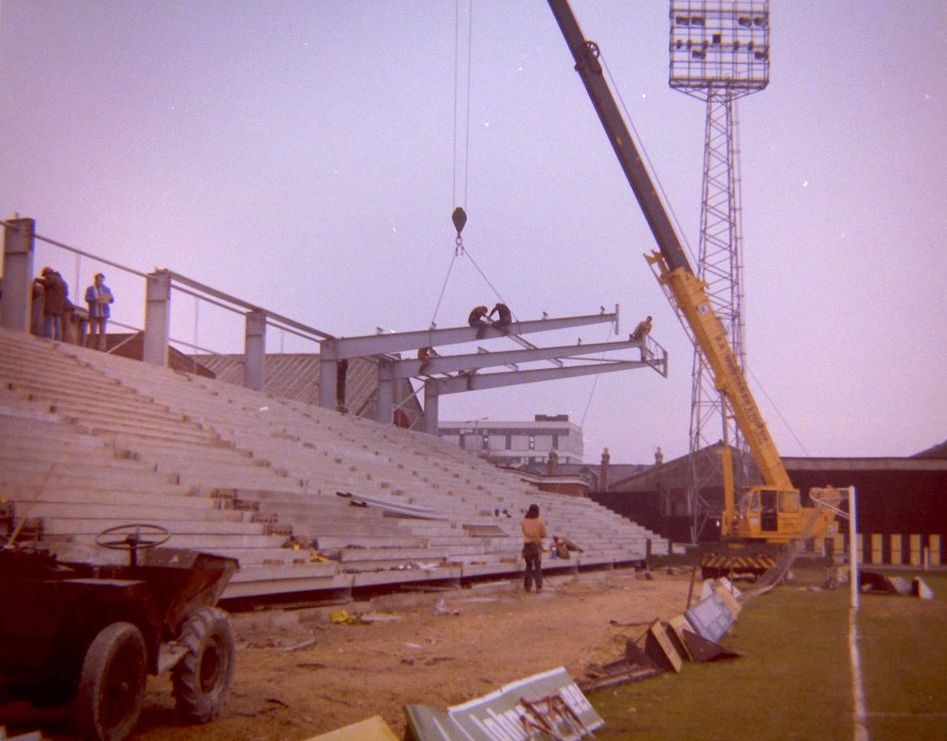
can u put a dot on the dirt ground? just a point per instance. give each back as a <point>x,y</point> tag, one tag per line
<point>299,674</point>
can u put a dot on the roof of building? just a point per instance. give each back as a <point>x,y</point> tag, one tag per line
<point>131,345</point>
<point>935,451</point>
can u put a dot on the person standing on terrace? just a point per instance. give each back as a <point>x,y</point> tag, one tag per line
<point>98,296</point>
<point>55,300</point>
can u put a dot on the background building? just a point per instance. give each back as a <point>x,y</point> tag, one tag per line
<point>518,443</point>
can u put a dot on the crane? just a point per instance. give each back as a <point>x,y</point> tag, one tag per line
<point>772,512</point>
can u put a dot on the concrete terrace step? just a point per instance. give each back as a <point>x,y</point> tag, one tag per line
<point>131,511</point>
<point>268,463</point>
<point>271,556</point>
<point>350,554</point>
<point>177,528</point>
<point>256,581</point>
<point>87,471</point>
<point>351,541</point>
<point>152,494</point>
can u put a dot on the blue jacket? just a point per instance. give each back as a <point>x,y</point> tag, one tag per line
<point>98,298</point>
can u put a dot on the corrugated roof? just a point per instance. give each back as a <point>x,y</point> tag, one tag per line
<point>296,376</point>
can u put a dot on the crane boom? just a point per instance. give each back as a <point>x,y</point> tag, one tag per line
<point>674,270</point>
<point>586,55</point>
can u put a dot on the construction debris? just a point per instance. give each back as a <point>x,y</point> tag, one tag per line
<point>549,704</point>
<point>664,647</point>
<point>879,583</point>
<point>634,666</point>
<point>373,728</point>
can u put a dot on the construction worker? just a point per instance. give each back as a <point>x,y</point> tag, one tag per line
<point>642,330</point>
<point>424,355</point>
<point>504,317</point>
<point>478,318</point>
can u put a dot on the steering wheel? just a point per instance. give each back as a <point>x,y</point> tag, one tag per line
<point>132,537</point>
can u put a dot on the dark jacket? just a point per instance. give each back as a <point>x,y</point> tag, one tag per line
<point>55,292</point>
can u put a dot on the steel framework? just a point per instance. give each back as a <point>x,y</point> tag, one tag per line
<point>719,52</point>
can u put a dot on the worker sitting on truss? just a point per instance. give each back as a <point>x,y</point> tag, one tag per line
<point>504,317</point>
<point>424,355</point>
<point>479,318</point>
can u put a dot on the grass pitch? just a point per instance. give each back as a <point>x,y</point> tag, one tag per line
<point>794,680</point>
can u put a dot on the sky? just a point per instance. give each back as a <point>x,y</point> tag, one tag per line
<point>306,156</point>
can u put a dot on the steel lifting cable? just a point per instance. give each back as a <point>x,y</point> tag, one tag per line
<point>456,93</point>
<point>588,403</point>
<point>459,216</point>
<point>440,296</point>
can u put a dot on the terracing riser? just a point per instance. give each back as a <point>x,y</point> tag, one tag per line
<point>215,460</point>
<point>217,527</point>
<point>128,443</point>
<point>466,544</point>
<point>138,423</point>
<point>56,370</point>
<point>83,470</point>
<point>127,512</point>
<point>317,527</point>
<point>63,406</point>
<point>279,496</point>
<point>102,402</point>
<point>258,580</point>
<point>310,570</point>
<point>391,554</point>
<point>26,430</point>
<point>328,511</point>
<point>175,449</point>
<point>367,541</point>
<point>396,567</point>
<point>229,477</point>
<point>65,459</point>
<point>247,557</point>
<point>81,489</point>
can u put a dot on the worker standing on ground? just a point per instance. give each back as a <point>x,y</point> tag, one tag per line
<point>642,330</point>
<point>504,317</point>
<point>534,530</point>
<point>478,318</point>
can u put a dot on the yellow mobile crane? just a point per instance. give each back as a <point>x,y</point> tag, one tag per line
<point>769,513</point>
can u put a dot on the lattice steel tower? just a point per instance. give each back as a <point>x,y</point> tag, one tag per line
<point>719,52</point>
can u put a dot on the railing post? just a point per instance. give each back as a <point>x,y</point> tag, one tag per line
<point>386,394</point>
<point>328,370</point>
<point>16,303</point>
<point>430,407</point>
<point>157,318</point>
<point>254,350</point>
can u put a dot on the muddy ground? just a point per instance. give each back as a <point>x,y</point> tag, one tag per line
<point>299,675</point>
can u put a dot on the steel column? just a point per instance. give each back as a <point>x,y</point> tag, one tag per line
<point>18,250</point>
<point>157,318</point>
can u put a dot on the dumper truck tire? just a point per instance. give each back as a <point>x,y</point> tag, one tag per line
<point>111,683</point>
<point>202,679</point>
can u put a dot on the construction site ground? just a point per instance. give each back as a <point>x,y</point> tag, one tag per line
<point>299,674</point>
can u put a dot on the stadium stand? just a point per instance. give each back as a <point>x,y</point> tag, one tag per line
<point>91,441</point>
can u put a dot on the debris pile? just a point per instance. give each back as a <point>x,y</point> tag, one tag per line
<point>664,647</point>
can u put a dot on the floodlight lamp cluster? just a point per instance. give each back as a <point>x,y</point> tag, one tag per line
<point>715,45</point>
